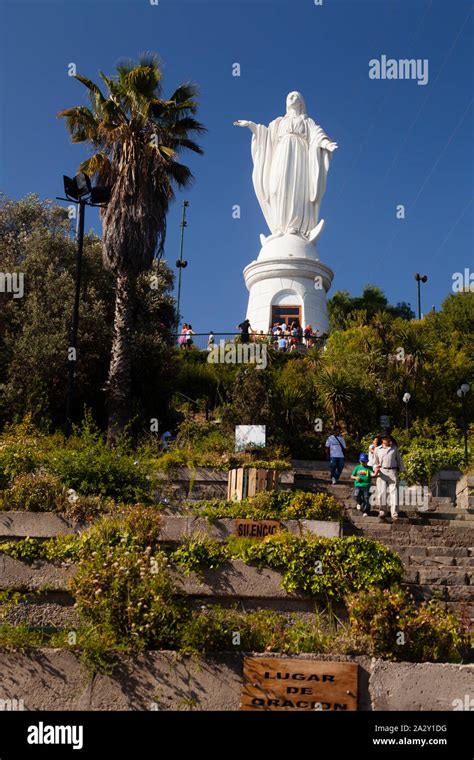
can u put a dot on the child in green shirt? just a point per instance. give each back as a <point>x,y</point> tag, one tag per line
<point>362,474</point>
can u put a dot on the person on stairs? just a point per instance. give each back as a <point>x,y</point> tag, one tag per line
<point>388,466</point>
<point>362,474</point>
<point>336,452</point>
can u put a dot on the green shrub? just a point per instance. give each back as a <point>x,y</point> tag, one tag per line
<point>306,636</point>
<point>329,567</point>
<point>323,566</point>
<point>92,467</point>
<point>87,508</point>
<point>423,461</point>
<point>216,629</point>
<point>396,629</point>
<point>213,630</point>
<point>129,591</point>
<point>274,505</point>
<point>55,549</point>
<point>19,636</point>
<point>310,506</point>
<point>16,459</point>
<point>137,527</point>
<point>199,551</point>
<point>34,492</point>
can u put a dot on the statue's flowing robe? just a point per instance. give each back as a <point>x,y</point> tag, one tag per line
<point>290,171</point>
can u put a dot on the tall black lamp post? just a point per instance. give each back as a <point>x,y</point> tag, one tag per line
<point>419,279</point>
<point>462,392</point>
<point>180,263</point>
<point>79,190</point>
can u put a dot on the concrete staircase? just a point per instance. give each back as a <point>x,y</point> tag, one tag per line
<point>436,546</point>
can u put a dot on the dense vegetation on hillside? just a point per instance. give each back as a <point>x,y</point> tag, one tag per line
<point>374,354</point>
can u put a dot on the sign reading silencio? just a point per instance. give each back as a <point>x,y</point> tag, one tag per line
<point>256,528</point>
<point>291,684</point>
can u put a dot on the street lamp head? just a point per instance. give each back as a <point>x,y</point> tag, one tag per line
<point>77,187</point>
<point>406,398</point>
<point>459,393</point>
<point>83,184</point>
<point>100,195</point>
<point>465,388</point>
<point>424,278</point>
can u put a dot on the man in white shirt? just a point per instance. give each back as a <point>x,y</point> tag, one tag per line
<point>336,450</point>
<point>387,465</point>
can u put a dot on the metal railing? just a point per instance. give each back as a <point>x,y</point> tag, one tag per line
<point>201,342</point>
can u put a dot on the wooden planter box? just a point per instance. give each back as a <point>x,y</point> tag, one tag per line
<point>247,482</point>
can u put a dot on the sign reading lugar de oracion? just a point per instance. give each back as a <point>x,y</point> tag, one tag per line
<point>293,684</point>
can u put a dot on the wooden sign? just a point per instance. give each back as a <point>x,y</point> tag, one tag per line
<point>256,528</point>
<point>291,684</point>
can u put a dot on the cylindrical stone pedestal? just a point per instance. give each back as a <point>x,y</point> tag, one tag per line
<point>288,273</point>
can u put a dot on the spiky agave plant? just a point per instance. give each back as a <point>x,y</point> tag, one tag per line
<point>136,137</point>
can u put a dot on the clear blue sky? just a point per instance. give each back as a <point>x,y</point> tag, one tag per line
<point>399,142</point>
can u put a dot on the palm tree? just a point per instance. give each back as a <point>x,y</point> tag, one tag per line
<point>338,392</point>
<point>136,137</point>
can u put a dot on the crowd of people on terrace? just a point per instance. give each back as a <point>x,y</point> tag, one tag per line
<point>281,336</point>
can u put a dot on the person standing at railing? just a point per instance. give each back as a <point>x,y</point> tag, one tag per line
<point>211,341</point>
<point>189,336</point>
<point>182,337</point>
<point>245,330</point>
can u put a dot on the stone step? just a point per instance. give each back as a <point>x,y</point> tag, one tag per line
<point>425,592</point>
<point>456,552</point>
<point>441,575</point>
<point>447,530</point>
<point>441,560</point>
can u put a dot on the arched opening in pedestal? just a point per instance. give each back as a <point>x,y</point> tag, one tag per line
<point>286,308</point>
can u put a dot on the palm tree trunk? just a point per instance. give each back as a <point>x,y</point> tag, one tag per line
<point>120,371</point>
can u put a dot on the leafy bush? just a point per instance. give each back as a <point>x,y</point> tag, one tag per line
<point>274,505</point>
<point>216,629</point>
<point>394,628</point>
<point>91,467</point>
<point>34,492</point>
<point>135,527</point>
<point>16,459</point>
<point>324,566</point>
<point>130,592</point>
<point>213,630</point>
<point>310,506</point>
<point>183,457</point>
<point>87,508</point>
<point>312,565</point>
<point>423,461</point>
<point>55,549</point>
<point>199,551</point>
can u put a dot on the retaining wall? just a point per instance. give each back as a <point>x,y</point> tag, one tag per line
<point>54,679</point>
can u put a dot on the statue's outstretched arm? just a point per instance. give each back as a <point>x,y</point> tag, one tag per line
<point>243,123</point>
<point>329,145</point>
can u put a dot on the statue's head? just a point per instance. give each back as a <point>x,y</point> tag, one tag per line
<point>295,102</point>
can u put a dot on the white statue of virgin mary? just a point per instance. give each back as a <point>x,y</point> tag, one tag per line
<point>291,160</point>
